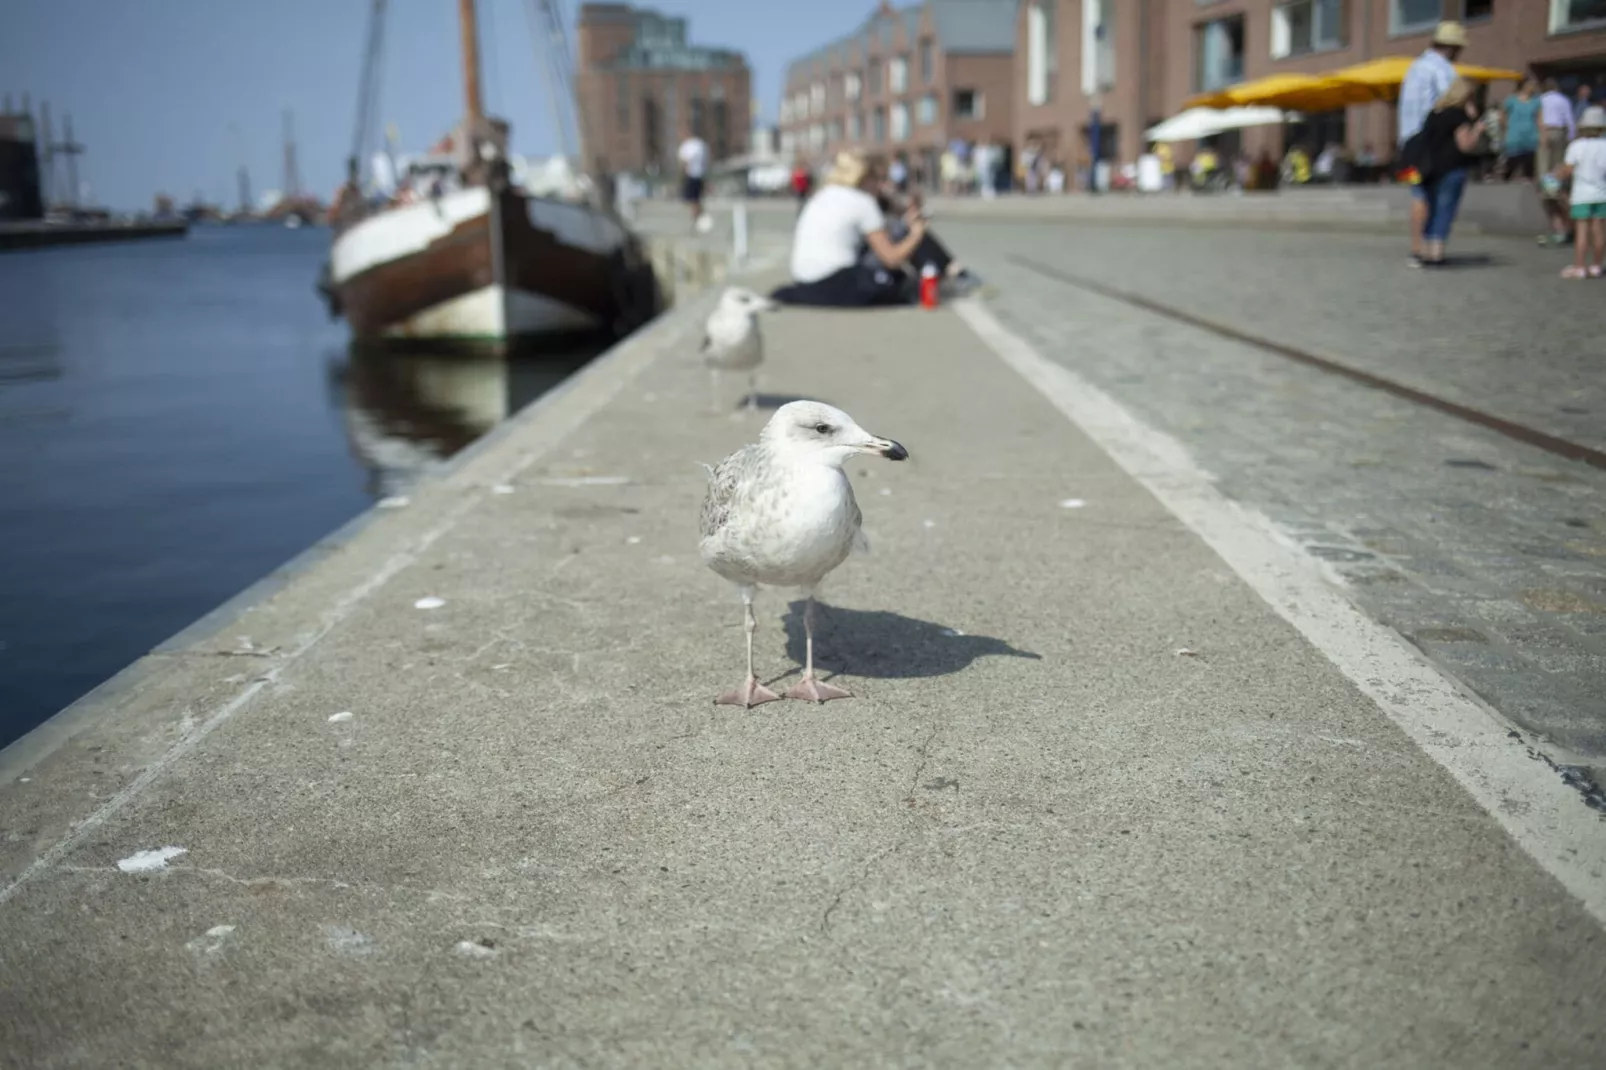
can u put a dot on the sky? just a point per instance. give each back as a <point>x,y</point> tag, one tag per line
<point>171,95</point>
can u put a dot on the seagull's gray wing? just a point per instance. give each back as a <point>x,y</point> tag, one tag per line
<point>723,482</point>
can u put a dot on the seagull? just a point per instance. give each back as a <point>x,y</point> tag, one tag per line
<point>781,512</point>
<point>732,342</point>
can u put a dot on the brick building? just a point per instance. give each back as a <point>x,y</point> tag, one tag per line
<point>909,80</point>
<point>641,89</point>
<point>1152,55</point>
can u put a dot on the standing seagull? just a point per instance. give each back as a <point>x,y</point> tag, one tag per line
<point>781,512</point>
<point>732,341</point>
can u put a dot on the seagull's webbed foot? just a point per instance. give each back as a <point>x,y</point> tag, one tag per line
<point>750,694</point>
<point>810,689</point>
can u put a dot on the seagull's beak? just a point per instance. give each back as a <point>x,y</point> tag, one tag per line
<point>886,448</point>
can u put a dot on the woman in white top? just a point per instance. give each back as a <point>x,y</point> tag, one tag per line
<point>840,220</point>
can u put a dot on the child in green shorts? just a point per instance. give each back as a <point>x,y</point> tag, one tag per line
<point>1585,165</point>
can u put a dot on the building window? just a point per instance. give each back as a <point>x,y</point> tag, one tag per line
<point>1218,53</point>
<point>1414,16</point>
<point>786,110</point>
<point>719,114</point>
<point>898,74</point>
<point>1098,45</point>
<point>697,113</point>
<point>1301,26</point>
<point>1576,14</point>
<point>900,122</point>
<point>1478,10</point>
<point>878,125</point>
<point>926,113</point>
<point>851,86</point>
<point>817,98</point>
<point>833,131</point>
<point>856,126</point>
<point>1041,61</point>
<point>968,104</point>
<point>928,68</point>
<point>873,77</point>
<point>623,101</point>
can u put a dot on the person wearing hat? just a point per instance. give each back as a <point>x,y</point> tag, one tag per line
<point>839,221</point>
<point>1585,164</point>
<point>1426,81</point>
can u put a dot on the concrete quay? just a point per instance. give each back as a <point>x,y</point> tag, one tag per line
<point>20,236</point>
<point>1125,783</point>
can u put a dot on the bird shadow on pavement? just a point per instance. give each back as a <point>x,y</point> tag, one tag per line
<point>880,645</point>
<point>775,401</point>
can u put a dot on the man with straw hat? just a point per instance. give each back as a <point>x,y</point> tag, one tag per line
<point>1427,79</point>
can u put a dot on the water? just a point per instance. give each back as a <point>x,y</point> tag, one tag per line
<point>179,418</point>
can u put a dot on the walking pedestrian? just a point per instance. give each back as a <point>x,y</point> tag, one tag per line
<point>694,166</point>
<point>1439,157</point>
<point>1426,81</point>
<point>1585,164</point>
<point>1556,130</point>
<point>1522,130</point>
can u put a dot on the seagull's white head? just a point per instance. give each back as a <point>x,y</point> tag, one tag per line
<point>740,301</point>
<point>821,433</point>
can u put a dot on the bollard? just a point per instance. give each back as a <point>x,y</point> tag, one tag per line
<point>739,233</point>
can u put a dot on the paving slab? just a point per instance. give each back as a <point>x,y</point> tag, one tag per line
<point>1040,835</point>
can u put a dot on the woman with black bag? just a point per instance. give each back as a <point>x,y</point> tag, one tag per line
<point>1440,155</point>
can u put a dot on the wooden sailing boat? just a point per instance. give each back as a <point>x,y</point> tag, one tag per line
<point>478,259</point>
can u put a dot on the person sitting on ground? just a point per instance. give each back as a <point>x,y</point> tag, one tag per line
<point>840,224</point>
<point>895,208</point>
<point>1585,164</point>
<point>1447,146</point>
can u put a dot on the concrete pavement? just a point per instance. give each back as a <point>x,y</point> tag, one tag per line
<point>1096,803</point>
<point>1484,552</point>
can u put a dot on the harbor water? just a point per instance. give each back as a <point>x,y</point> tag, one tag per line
<point>177,419</point>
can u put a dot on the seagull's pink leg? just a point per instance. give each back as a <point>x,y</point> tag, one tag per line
<point>810,689</point>
<point>752,693</point>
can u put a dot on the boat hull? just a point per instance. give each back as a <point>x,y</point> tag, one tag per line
<point>474,266</point>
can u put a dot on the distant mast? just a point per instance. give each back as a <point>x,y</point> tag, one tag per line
<point>471,62</point>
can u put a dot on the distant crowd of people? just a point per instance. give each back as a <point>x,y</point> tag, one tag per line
<point>1448,134</point>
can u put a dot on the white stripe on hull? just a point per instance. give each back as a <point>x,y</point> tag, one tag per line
<point>493,313</point>
<point>398,232</point>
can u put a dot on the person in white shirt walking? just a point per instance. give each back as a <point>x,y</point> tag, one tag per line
<point>1426,80</point>
<point>694,168</point>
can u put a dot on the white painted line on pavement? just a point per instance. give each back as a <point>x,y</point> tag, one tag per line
<point>1547,818</point>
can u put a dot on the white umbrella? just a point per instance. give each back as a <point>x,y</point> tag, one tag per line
<point>1196,123</point>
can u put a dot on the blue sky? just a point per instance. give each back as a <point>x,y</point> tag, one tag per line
<point>155,85</point>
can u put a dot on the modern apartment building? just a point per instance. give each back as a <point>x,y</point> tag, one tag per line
<point>1142,59</point>
<point>642,88</point>
<point>908,80</point>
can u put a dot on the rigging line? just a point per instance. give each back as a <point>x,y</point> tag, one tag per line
<point>367,89</point>
<point>553,55</point>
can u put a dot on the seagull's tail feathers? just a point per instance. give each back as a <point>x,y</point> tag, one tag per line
<point>861,542</point>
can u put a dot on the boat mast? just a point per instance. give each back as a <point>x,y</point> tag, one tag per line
<point>471,62</point>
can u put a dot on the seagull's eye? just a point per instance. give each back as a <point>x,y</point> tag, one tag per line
<point>824,429</point>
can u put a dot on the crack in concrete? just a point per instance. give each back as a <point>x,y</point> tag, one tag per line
<point>924,753</point>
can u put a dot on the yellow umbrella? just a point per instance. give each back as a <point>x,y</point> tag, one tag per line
<point>1274,91</point>
<point>1380,79</point>
<point>1377,79</point>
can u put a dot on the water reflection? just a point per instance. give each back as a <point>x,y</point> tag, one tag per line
<point>408,412</point>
